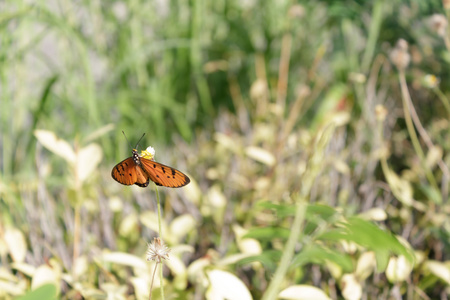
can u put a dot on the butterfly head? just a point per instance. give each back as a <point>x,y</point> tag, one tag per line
<point>135,157</point>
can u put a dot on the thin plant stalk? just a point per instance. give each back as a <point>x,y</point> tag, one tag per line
<point>406,99</point>
<point>288,251</point>
<point>160,236</point>
<point>153,280</point>
<point>77,217</point>
<point>443,99</point>
<point>308,178</point>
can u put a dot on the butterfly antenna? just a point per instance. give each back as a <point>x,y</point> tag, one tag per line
<point>127,139</point>
<point>139,140</point>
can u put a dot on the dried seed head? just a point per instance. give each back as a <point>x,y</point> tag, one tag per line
<point>399,55</point>
<point>157,251</point>
<point>438,23</point>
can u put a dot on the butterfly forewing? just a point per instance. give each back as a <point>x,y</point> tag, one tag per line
<point>125,172</point>
<point>164,175</point>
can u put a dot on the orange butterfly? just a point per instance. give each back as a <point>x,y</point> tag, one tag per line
<point>139,170</point>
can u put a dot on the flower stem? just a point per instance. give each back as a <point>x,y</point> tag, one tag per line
<point>160,236</point>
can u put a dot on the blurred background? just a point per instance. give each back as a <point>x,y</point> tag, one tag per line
<point>315,133</point>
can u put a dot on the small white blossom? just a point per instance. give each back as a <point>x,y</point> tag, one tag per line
<point>157,251</point>
<point>148,153</point>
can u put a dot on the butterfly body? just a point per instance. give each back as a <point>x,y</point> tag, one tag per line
<point>139,170</point>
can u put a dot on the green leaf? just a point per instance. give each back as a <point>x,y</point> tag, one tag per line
<point>319,255</point>
<point>282,210</point>
<point>268,258</point>
<point>268,233</point>
<point>370,236</point>
<point>432,194</point>
<point>46,291</point>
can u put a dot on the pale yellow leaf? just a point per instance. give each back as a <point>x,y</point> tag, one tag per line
<point>366,265</point>
<point>398,269</point>
<point>351,288</point>
<point>16,243</point>
<point>181,226</point>
<point>124,259</point>
<point>178,268</point>
<point>303,292</point>
<point>150,220</point>
<point>56,145</point>
<point>374,214</point>
<point>246,245</point>
<point>88,159</point>
<point>44,275</point>
<point>226,286</point>
<point>261,155</point>
<point>24,268</point>
<point>439,269</point>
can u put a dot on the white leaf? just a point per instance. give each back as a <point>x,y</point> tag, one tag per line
<point>246,245</point>
<point>150,219</point>
<point>224,285</point>
<point>439,269</point>
<point>366,265</point>
<point>16,243</point>
<point>87,161</point>
<point>44,275</point>
<point>398,269</point>
<point>261,155</point>
<point>374,214</point>
<point>56,145</point>
<point>141,286</point>
<point>24,268</point>
<point>303,292</point>
<point>351,288</point>
<point>124,259</point>
<point>182,225</point>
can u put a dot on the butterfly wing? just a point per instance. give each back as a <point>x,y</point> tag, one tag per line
<point>127,172</point>
<point>164,175</point>
<point>142,177</point>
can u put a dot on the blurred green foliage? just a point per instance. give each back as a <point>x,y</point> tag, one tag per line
<point>267,106</point>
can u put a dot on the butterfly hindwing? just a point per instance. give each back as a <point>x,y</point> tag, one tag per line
<point>164,175</point>
<point>142,179</point>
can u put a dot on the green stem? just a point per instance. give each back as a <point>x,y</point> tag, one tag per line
<point>374,32</point>
<point>443,99</point>
<point>308,178</point>
<point>412,133</point>
<point>288,252</point>
<point>160,236</point>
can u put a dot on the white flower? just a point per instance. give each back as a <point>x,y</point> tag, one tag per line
<point>148,153</point>
<point>157,251</point>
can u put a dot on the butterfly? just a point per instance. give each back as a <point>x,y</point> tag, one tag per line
<point>140,170</point>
